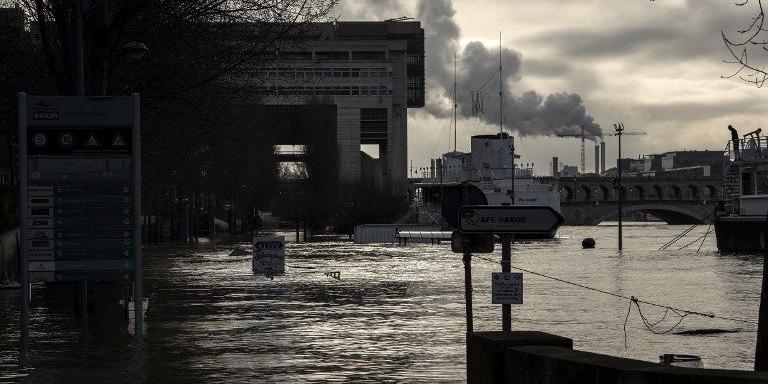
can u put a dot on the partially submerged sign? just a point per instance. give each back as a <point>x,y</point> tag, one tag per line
<point>517,219</point>
<point>269,255</point>
<point>506,288</point>
<point>472,242</point>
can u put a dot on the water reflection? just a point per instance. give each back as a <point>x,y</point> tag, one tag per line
<point>395,313</point>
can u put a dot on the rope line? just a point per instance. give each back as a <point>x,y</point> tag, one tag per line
<point>678,311</point>
<point>685,232</point>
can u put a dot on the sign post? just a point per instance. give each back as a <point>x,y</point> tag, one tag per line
<point>506,265</point>
<point>506,221</point>
<point>80,194</point>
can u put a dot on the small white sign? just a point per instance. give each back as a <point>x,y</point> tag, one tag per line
<point>269,255</point>
<point>506,288</point>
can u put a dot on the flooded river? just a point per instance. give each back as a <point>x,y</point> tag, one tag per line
<point>395,315</point>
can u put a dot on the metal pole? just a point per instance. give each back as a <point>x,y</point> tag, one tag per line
<point>455,107</point>
<point>506,264</point>
<point>621,195</point>
<point>468,287</point>
<point>136,170</point>
<point>82,286</point>
<point>79,65</point>
<point>501,96</point>
<point>23,252</point>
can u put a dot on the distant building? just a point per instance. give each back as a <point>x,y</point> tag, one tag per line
<point>689,163</point>
<point>373,72</point>
<point>569,171</point>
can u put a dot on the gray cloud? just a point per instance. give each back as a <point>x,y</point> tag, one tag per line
<point>372,10</point>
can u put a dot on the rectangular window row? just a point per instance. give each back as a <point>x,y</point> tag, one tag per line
<point>327,55</point>
<point>329,91</point>
<point>319,73</point>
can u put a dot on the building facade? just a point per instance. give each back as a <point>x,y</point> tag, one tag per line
<point>373,72</point>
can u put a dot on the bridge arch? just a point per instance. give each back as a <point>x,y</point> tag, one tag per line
<point>566,192</point>
<point>587,191</point>
<point>639,192</point>
<point>657,192</point>
<point>605,193</point>
<point>675,192</point>
<point>693,191</point>
<point>621,191</point>
<point>670,214</point>
<point>711,191</point>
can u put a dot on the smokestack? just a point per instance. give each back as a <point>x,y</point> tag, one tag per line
<point>602,157</point>
<point>555,173</point>
<point>597,159</point>
<point>432,169</point>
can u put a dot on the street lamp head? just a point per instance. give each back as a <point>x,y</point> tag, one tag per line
<point>134,50</point>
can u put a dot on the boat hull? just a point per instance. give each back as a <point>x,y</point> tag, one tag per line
<point>741,234</point>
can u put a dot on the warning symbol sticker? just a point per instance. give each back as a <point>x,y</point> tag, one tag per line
<point>92,142</point>
<point>66,139</point>
<point>118,141</point>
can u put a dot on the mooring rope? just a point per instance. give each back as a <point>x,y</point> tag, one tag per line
<point>678,311</point>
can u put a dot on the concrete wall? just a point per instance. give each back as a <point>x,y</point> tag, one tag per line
<point>9,255</point>
<point>537,357</point>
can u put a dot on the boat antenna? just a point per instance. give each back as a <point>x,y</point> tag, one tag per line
<point>454,102</point>
<point>501,99</point>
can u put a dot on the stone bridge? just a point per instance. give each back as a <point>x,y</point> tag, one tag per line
<point>675,200</point>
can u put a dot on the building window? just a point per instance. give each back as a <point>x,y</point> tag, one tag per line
<point>414,58</point>
<point>332,55</point>
<point>298,56</point>
<point>369,55</point>
<point>373,125</point>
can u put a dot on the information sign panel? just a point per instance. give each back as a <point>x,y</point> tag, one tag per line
<point>269,255</point>
<point>80,187</point>
<point>506,288</point>
<point>80,192</point>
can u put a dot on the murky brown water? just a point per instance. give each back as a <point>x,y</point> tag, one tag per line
<point>396,314</point>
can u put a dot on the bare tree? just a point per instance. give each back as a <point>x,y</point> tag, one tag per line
<point>749,47</point>
<point>199,40</point>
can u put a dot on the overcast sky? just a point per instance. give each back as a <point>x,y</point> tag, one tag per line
<point>654,65</point>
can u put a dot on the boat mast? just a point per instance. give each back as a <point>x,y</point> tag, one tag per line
<point>501,97</point>
<point>454,102</point>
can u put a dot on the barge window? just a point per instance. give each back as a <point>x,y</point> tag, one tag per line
<point>747,186</point>
<point>761,182</point>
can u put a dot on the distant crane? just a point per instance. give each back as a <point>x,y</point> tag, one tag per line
<point>582,136</point>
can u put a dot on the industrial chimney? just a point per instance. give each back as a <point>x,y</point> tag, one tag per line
<point>597,159</point>
<point>602,157</point>
<point>555,173</point>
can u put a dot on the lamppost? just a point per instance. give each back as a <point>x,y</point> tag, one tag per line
<point>619,129</point>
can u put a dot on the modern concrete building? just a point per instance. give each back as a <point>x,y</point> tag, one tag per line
<point>372,72</point>
<point>704,163</point>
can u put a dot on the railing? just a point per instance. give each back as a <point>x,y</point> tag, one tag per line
<point>752,147</point>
